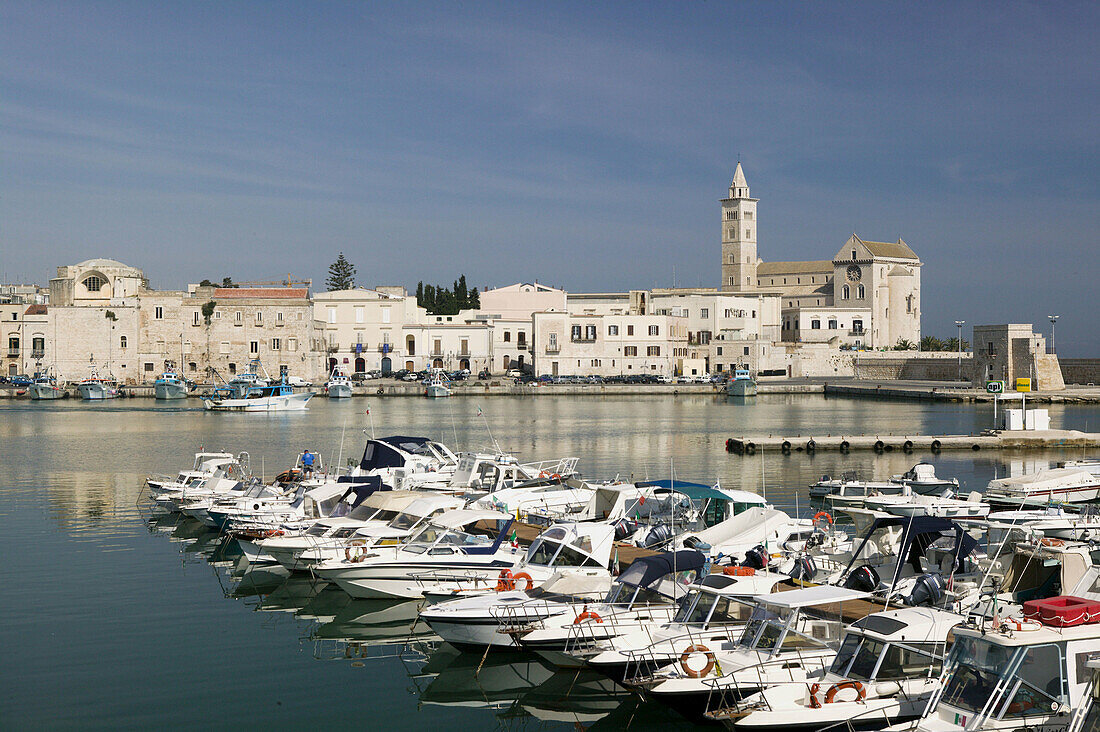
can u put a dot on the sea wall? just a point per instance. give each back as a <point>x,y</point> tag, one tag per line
<point>1080,370</point>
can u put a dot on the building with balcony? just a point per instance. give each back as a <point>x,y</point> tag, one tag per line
<point>608,344</point>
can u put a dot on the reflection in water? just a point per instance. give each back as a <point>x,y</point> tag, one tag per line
<point>105,587</point>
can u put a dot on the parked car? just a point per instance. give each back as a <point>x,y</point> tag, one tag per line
<point>360,376</point>
<point>410,376</point>
<point>400,374</point>
<point>513,374</point>
<point>484,374</point>
<point>21,380</point>
<point>298,381</point>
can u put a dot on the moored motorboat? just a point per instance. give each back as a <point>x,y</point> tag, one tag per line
<point>338,385</point>
<point>742,384</point>
<point>95,387</point>
<point>45,387</point>
<point>171,384</point>
<point>277,398</point>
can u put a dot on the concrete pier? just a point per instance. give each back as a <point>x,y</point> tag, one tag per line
<point>991,440</point>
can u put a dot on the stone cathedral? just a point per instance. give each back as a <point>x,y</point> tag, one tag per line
<point>866,296</point>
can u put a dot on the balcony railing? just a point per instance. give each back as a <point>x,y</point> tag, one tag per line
<point>13,353</point>
<point>582,339</point>
<point>38,353</point>
<point>856,332</point>
<point>553,348</point>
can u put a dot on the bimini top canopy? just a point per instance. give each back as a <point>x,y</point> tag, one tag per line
<point>918,533</point>
<point>700,492</point>
<point>819,595</point>
<point>387,451</point>
<point>644,571</point>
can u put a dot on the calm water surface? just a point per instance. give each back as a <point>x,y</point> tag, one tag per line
<point>112,620</point>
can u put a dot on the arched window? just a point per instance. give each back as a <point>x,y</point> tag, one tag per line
<point>847,292</point>
<point>860,292</point>
<point>410,346</point>
<point>122,341</point>
<point>94,283</point>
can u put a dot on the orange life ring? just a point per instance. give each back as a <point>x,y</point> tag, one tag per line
<point>739,571</point>
<point>815,703</point>
<point>555,476</point>
<point>824,514</point>
<point>861,693</point>
<point>505,581</point>
<point>1020,706</point>
<point>358,545</point>
<point>544,474</point>
<point>696,673</point>
<point>1045,541</point>
<point>587,615</point>
<point>522,576</point>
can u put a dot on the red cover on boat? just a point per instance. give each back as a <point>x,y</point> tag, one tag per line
<point>1063,611</point>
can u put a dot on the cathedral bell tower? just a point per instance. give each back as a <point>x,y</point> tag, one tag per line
<point>739,236</point>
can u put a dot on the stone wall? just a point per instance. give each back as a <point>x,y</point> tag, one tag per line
<point>1081,370</point>
<point>912,365</point>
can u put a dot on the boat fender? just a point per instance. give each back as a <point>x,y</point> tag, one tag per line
<point>525,577</point>
<point>815,703</point>
<point>863,578</point>
<point>811,446</point>
<point>786,446</point>
<point>750,448</point>
<point>936,445</point>
<point>861,693</point>
<point>887,689</point>
<point>380,391</point>
<point>693,673</point>
<point>975,447</point>
<point>879,445</point>
<point>587,615</point>
<point>505,581</point>
<point>907,446</point>
<point>729,444</point>
<point>844,446</point>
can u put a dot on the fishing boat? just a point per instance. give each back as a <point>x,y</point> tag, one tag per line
<point>277,398</point>
<point>95,387</point>
<point>45,387</point>
<point>437,384</point>
<point>338,385</point>
<point>170,384</point>
<point>742,384</point>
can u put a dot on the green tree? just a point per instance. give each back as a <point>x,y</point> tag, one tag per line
<point>931,343</point>
<point>420,293</point>
<point>341,274</point>
<point>904,344</point>
<point>208,310</point>
<point>207,283</point>
<point>228,282</point>
<point>475,299</point>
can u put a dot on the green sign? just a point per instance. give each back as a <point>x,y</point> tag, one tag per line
<point>995,387</point>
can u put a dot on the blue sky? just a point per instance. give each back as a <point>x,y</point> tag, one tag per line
<point>582,145</point>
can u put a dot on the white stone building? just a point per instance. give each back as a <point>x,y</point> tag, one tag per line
<point>510,309</point>
<point>881,279</point>
<point>609,344</point>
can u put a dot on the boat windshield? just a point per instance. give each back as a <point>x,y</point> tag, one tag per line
<point>1001,681</point>
<point>433,537</point>
<point>629,595</point>
<point>404,521</point>
<point>699,608</point>
<point>545,553</point>
<point>859,657</point>
<point>790,630</point>
<point>317,530</point>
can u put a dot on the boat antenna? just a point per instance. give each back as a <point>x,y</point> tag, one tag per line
<point>481,414</point>
<point>454,429</point>
<point>371,421</point>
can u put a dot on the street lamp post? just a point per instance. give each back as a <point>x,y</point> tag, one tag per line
<point>1053,320</point>
<point>959,324</point>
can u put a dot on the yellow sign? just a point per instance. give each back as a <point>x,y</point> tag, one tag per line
<point>1023,384</point>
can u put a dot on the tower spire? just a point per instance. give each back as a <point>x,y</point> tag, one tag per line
<point>739,188</point>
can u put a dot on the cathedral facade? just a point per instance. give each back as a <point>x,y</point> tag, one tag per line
<point>866,296</point>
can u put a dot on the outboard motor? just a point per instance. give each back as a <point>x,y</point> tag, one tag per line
<point>928,590</point>
<point>804,569</point>
<point>659,534</point>
<point>624,528</point>
<point>863,578</point>
<point>757,557</point>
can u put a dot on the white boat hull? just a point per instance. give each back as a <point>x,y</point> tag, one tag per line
<point>96,392</point>
<point>170,391</point>
<point>43,393</point>
<point>338,391</point>
<point>281,403</point>
<point>436,391</point>
<point>741,388</point>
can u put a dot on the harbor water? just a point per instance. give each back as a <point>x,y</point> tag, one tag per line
<point>112,619</point>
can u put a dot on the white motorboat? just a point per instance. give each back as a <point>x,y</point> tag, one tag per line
<point>918,504</point>
<point>714,613</point>
<point>922,479</point>
<point>754,525</point>
<point>436,384</point>
<point>886,670</point>
<point>461,549</point>
<point>1027,672</point>
<point>206,465</point>
<point>338,385</point>
<point>650,586</point>
<point>95,387</point>
<point>405,463</point>
<point>1065,485</point>
<point>277,398</point>
<point>789,636</point>
<point>45,387</point>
